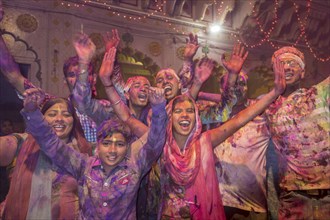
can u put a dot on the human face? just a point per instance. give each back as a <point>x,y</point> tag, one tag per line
<point>166,80</point>
<point>73,73</point>
<point>138,94</point>
<point>71,76</point>
<point>60,119</point>
<point>112,150</point>
<point>7,127</point>
<point>183,118</point>
<point>293,71</point>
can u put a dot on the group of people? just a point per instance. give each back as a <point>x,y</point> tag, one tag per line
<point>143,153</point>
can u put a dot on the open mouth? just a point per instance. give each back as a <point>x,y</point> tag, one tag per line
<point>167,89</point>
<point>59,128</point>
<point>184,124</point>
<point>142,97</point>
<point>112,157</point>
<point>288,75</point>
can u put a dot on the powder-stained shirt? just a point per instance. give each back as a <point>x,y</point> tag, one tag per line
<point>211,112</point>
<point>86,122</point>
<point>101,196</point>
<point>241,166</point>
<point>300,126</point>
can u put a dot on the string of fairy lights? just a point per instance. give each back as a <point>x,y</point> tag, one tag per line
<point>159,5</point>
<point>267,34</point>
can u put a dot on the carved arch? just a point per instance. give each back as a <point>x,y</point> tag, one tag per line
<point>28,48</point>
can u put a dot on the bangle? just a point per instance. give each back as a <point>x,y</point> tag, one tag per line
<point>117,102</point>
<point>111,85</point>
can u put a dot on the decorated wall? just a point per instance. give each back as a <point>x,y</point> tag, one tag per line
<point>39,33</point>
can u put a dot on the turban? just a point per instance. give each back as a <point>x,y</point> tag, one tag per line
<point>290,52</point>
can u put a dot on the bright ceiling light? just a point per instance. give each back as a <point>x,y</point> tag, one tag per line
<point>215,28</point>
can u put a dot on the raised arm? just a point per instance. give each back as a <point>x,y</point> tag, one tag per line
<point>82,94</point>
<point>222,132</point>
<point>203,71</point>
<point>9,68</point>
<point>186,73</point>
<point>113,40</point>
<point>120,108</point>
<point>234,65</point>
<point>157,132</point>
<point>57,150</point>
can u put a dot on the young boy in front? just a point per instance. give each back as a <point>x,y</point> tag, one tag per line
<point>108,183</point>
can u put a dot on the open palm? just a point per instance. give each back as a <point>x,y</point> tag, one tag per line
<point>237,59</point>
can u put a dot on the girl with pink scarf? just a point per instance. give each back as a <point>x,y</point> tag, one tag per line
<point>189,186</point>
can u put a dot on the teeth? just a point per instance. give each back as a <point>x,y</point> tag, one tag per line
<point>166,88</point>
<point>142,96</point>
<point>184,123</point>
<point>58,126</point>
<point>111,157</point>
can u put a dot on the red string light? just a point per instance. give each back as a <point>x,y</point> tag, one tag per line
<point>302,27</point>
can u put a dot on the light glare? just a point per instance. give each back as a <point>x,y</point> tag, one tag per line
<point>215,28</point>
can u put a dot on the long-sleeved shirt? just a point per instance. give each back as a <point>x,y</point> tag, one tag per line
<point>104,196</point>
<point>87,124</point>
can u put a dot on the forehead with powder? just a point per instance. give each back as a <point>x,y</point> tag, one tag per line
<point>165,72</point>
<point>130,81</point>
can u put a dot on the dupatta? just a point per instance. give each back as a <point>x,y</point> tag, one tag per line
<point>194,168</point>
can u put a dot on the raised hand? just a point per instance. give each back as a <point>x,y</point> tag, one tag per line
<point>280,83</point>
<point>84,47</point>
<point>156,95</point>
<point>236,61</point>
<point>33,98</point>
<point>191,47</point>
<point>111,40</point>
<point>203,70</point>
<point>106,68</point>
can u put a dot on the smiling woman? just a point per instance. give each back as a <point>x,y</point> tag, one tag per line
<point>53,185</point>
<point>108,182</point>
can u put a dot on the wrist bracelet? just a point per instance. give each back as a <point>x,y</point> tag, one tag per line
<point>117,102</point>
<point>111,85</point>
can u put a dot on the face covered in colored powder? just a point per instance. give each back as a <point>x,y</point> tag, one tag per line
<point>169,81</point>
<point>136,91</point>
<point>294,64</point>
<point>112,150</point>
<point>60,119</point>
<point>293,71</point>
<point>183,118</point>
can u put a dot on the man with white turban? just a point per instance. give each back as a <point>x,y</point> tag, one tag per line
<point>299,122</point>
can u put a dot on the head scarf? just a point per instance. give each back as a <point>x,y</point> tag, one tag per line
<point>290,52</point>
<point>187,169</point>
<point>183,166</point>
